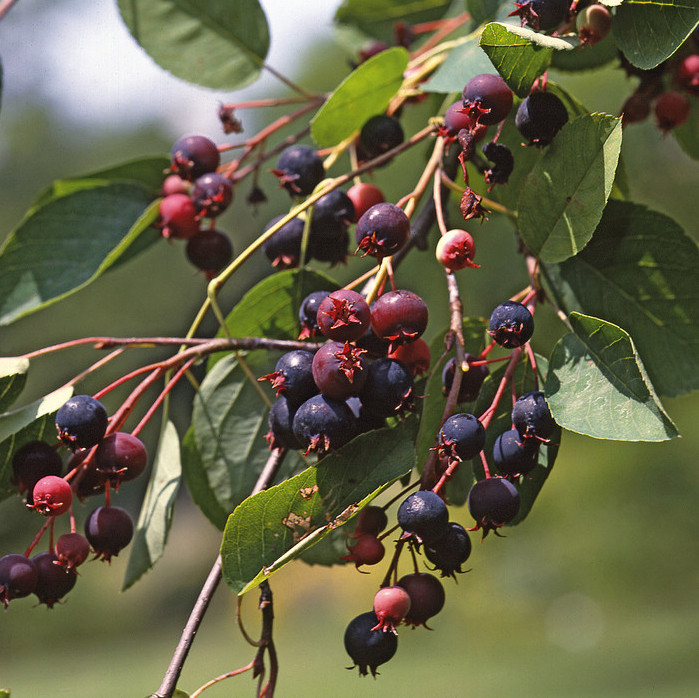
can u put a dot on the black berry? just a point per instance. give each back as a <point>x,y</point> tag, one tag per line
<point>531,416</point>
<point>450,551</point>
<point>322,424</point>
<point>388,389</point>
<point>283,249</point>
<point>471,380</point>
<point>109,530</point>
<point>299,169</point>
<point>380,134</point>
<point>461,437</point>
<point>511,324</point>
<point>369,648</point>
<point>425,514</point>
<point>308,313</point>
<point>540,117</point>
<point>382,230</point>
<point>541,14</point>
<point>503,163</point>
<point>293,376</point>
<point>210,250</point>
<point>194,156</point>
<point>280,420</point>
<point>81,422</point>
<point>493,502</point>
<point>212,194</point>
<point>513,455</point>
<point>487,98</point>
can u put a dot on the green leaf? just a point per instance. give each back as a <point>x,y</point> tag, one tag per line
<point>687,134</point>
<point>377,18</point>
<point>563,196</point>
<point>213,43</point>
<point>649,31</point>
<point>230,422</point>
<point>275,526</point>
<point>64,245</point>
<point>363,93</point>
<point>464,62</point>
<point>157,508</point>
<point>13,376</point>
<point>597,385</point>
<point>639,271</point>
<point>14,421</point>
<point>483,11</point>
<point>329,550</point>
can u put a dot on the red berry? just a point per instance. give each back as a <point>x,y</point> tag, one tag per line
<point>687,74</point>
<point>368,550</point>
<point>363,197</point>
<point>54,581</point>
<point>416,356</point>
<point>52,496</point>
<point>120,456</point>
<point>193,156</point>
<point>339,370</point>
<point>399,316</point>
<point>178,217</point>
<point>71,550</point>
<point>343,316</point>
<point>391,605</point>
<point>487,98</point>
<point>109,530</point>
<point>455,250</point>
<point>671,110</point>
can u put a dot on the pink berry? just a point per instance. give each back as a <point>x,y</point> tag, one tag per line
<point>178,217</point>
<point>52,496</point>
<point>687,74</point>
<point>391,605</point>
<point>455,250</point>
<point>363,197</point>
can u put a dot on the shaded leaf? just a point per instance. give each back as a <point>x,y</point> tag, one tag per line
<point>16,420</point>
<point>482,11</point>
<point>564,195</point>
<point>463,63</point>
<point>275,526</point>
<point>639,271</point>
<point>213,43</point>
<point>328,550</point>
<point>597,385</point>
<point>362,94</point>
<point>687,134</point>
<point>649,31</point>
<point>13,376</point>
<point>157,508</point>
<point>586,57</point>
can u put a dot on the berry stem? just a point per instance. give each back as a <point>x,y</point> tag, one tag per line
<point>487,416</point>
<point>486,469</point>
<point>38,537</point>
<point>218,679</point>
<point>394,564</point>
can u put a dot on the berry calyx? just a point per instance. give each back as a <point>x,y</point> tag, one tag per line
<point>81,422</point>
<point>210,250</point>
<point>109,530</point>
<point>367,550</point>
<point>322,424</point>
<point>366,647</point>
<point>455,250</point>
<point>52,496</point>
<point>382,230</point>
<point>457,119</point>
<point>425,515</point>
<point>178,217</point>
<point>391,604</point>
<point>363,197</point>
<point>343,315</point>
<point>511,325</point>
<point>540,116</point>
<point>532,418</point>
<point>493,502</point>
<point>487,98</point>
<point>194,156</point>
<point>461,437</point>
<point>541,14</point>
<point>450,551</point>
<point>299,169</point>
<point>426,597</point>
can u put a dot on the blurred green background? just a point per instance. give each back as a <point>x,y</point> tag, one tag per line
<point>596,594</point>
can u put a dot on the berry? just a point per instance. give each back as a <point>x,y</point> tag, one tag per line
<point>194,156</point>
<point>210,250</point>
<point>382,230</point>
<point>299,169</point>
<point>671,110</point>
<point>71,550</point>
<point>493,502</point>
<point>503,163</point>
<point>426,597</point>
<point>450,551</point>
<point>424,514</point>
<point>514,456</point>
<point>416,356</point>
<point>375,346</point>
<point>368,648</point>
<point>593,23</point>
<point>119,457</point>
<point>687,74</point>
<point>293,376</point>
<point>471,380</point>
<point>343,315</point>
<point>332,215</point>
<point>388,388</point>
<point>308,313</point>
<point>367,550</point>
<point>283,249</point>
<point>52,496</point>
<point>636,108</point>
<point>458,119</point>
<point>31,462</point>
<point>18,577</point>
<point>540,116</point>
<point>380,134</point>
<point>371,519</point>
<point>54,581</point>
<point>541,14</point>
<point>329,244</point>
<point>461,437</point>
<point>531,416</point>
<point>212,194</point>
<point>511,325</point>
<point>399,316</point>
<point>81,422</point>
<point>487,98</point>
<point>178,217</point>
<point>391,604</point>
<point>363,196</point>
<point>455,250</point>
<point>174,184</point>
<point>339,370</point>
<point>109,530</point>
<point>321,424</point>
<point>280,419</point>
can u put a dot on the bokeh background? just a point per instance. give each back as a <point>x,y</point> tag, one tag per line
<point>596,594</point>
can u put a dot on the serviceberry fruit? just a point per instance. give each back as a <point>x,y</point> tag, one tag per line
<point>375,346</point>
<point>194,156</point>
<point>81,422</point>
<point>455,250</point>
<point>541,14</point>
<point>120,457</point>
<point>471,380</point>
<point>368,648</point>
<point>89,481</point>
<point>540,116</point>
<point>380,134</point>
<point>280,419</point>
<point>671,110</point>
<point>293,376</point>
<point>399,316</point>
<point>593,23</point>
<point>426,597</point>
<point>178,217</point>
<point>511,325</point>
<point>283,249</point>
<point>450,551</point>
<point>382,230</point>
<point>424,514</point>
<point>371,519</point>
<point>54,581</point>
<point>343,315</point>
<point>339,370</point>
<point>416,356</point>
<point>31,462</point>
<point>514,456</point>
<point>332,215</point>
<point>687,74</point>
<point>363,197</point>
<point>174,184</point>
<point>52,496</point>
<point>636,108</point>
<point>308,313</point>
<point>487,98</point>
<point>461,437</point>
<point>322,424</point>
<point>210,250</point>
<point>503,163</point>
<point>71,550</point>
<point>367,550</point>
<point>457,119</point>
<point>391,604</point>
<point>299,169</point>
<point>109,530</point>
<point>212,194</point>
<point>493,502</point>
<point>388,388</point>
<point>18,577</point>
<point>531,416</point>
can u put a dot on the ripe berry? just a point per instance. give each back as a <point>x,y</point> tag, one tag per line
<point>210,250</point>
<point>426,597</point>
<point>31,462</point>
<point>332,215</point>
<point>321,424</point>
<point>371,519</point>
<point>52,496</point>
<point>514,456</point>
<point>399,316</point>
<point>388,388</point>
<point>71,550</point>
<point>308,313</point>
<point>299,169</point>
<point>541,14</point>
<point>368,648</point>
<point>194,156</point>
<point>593,23</point>
<point>18,577</point>
<point>339,370</point>
<point>540,116</point>
<point>283,249</point>
<point>450,551</point>
<point>380,134</point>
<point>120,457</point>
<point>424,514</point>
<point>293,376</point>
<point>178,217</point>
<point>487,98</point>
<point>280,419</point>
<point>687,74</point>
<point>367,550</point>
<point>503,163</point>
<point>531,416</point>
<point>416,356</point>
<point>54,581</point>
<point>109,530</point>
<point>455,250</point>
<point>391,604</point>
<point>343,315</point>
<point>671,110</point>
<point>363,197</point>
<point>81,422</point>
<point>461,437</point>
<point>511,325</point>
<point>493,502</point>
<point>471,380</point>
<point>382,230</point>
<point>457,119</point>
<point>636,108</point>
<point>212,194</point>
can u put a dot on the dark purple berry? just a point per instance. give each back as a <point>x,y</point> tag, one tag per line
<point>450,551</point>
<point>368,648</point>
<point>18,577</point>
<point>299,169</point>
<point>283,249</point>
<point>308,313</point>
<point>514,456</point>
<point>424,514</point>
<point>487,98</point>
<point>540,117</point>
<point>511,325</point>
<point>210,250</point>
<point>280,420</point>
<point>71,550</point>
<point>426,597</point>
<point>54,581</point>
<point>399,316</point>
<point>382,230</point>
<point>371,519</point>
<point>212,194</point>
<point>120,457</point>
<point>388,389</point>
<point>322,424</point>
<point>541,15</point>
<point>471,380</point>
<point>493,502</point>
<point>194,156</point>
<point>332,215</point>
<point>109,530</point>
<point>380,134</point>
<point>31,462</point>
<point>81,422</point>
<point>461,437</point>
<point>503,163</point>
<point>531,416</point>
<point>293,376</point>
<point>343,315</point>
<point>339,370</point>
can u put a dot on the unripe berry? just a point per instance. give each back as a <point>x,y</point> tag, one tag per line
<point>363,197</point>
<point>671,110</point>
<point>52,496</point>
<point>178,217</point>
<point>455,250</point>
<point>391,604</point>
<point>367,550</point>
